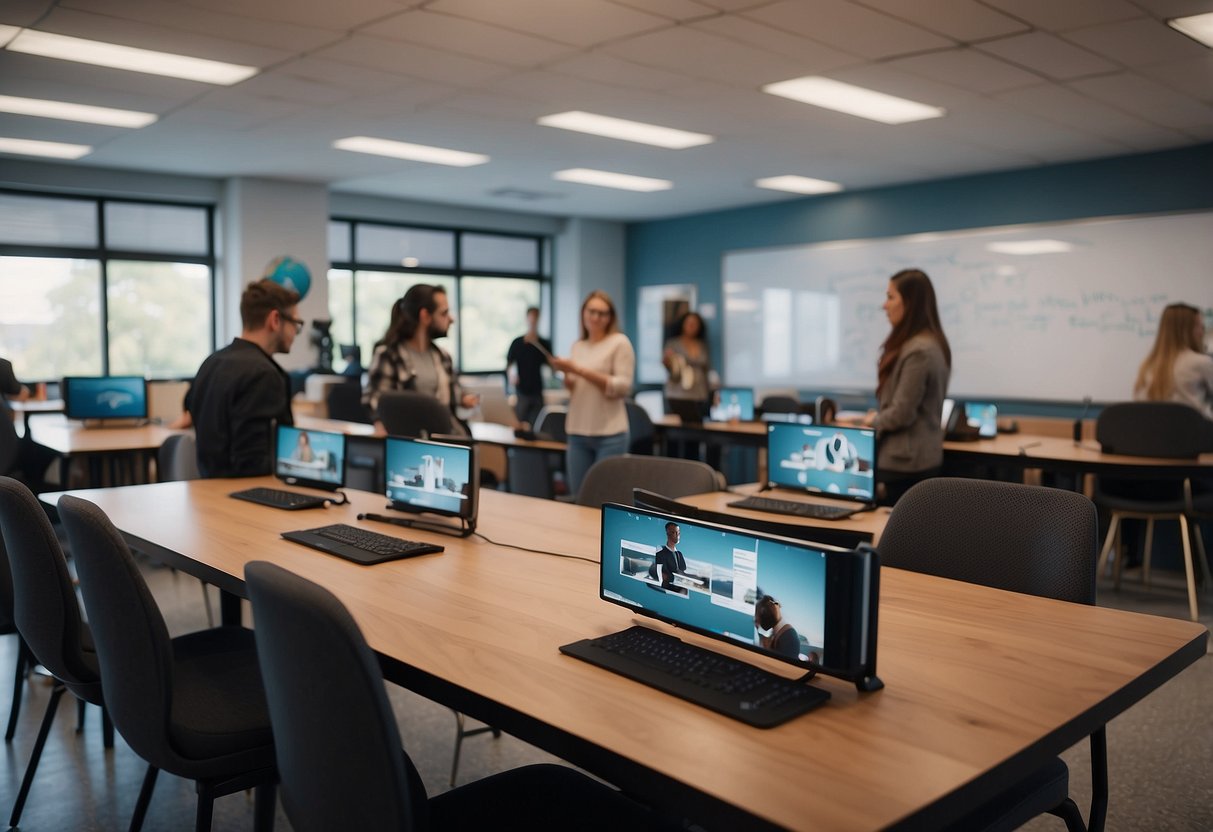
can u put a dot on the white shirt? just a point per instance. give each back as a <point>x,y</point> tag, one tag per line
<point>593,412</point>
<point>1194,381</point>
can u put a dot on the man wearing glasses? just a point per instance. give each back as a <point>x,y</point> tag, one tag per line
<point>240,391</point>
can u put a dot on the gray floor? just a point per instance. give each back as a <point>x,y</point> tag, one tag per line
<point>1160,752</point>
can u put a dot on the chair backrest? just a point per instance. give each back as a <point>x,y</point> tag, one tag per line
<point>1162,429</point>
<point>413,414</point>
<point>10,443</point>
<point>339,752</point>
<point>45,608</point>
<point>611,480</point>
<point>131,638</point>
<point>177,458</point>
<point>550,422</point>
<point>779,404</point>
<point>641,432</point>
<point>1023,538</point>
<point>344,401</point>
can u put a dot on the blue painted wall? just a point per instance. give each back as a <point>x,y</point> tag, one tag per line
<point>689,249</point>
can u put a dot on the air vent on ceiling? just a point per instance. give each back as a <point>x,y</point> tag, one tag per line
<point>523,195</point>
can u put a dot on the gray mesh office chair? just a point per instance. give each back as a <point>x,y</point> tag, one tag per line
<point>1021,538</point>
<point>413,414</point>
<point>611,480</point>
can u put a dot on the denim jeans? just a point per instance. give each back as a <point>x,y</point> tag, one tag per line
<point>584,451</point>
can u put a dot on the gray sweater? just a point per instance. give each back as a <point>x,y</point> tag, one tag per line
<point>911,405</point>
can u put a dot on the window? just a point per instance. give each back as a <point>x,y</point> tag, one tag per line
<point>95,286</point>
<point>490,280</point>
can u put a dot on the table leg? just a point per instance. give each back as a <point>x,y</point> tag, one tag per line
<point>230,609</point>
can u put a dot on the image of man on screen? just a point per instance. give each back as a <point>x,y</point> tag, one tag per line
<point>670,561</point>
<point>774,633</point>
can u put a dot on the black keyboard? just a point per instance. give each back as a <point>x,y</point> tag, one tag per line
<point>360,545</point>
<point>706,678</point>
<point>796,508</point>
<point>279,498</point>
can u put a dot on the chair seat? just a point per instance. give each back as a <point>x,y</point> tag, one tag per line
<point>1034,795</point>
<point>1137,504</point>
<point>219,704</point>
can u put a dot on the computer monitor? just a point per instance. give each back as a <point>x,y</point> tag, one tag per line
<point>431,477</point>
<point>824,459</point>
<point>689,411</point>
<point>105,397</point>
<point>732,404</point>
<point>984,417</point>
<point>726,583</point>
<point>311,458</point>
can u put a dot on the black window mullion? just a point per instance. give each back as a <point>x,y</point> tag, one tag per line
<point>103,256</point>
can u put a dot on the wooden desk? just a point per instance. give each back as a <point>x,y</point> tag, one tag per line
<point>872,522</point>
<point>333,425</point>
<point>29,407</point>
<point>979,686</point>
<point>1025,450</point>
<point>71,439</point>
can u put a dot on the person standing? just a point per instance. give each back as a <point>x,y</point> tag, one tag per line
<point>240,391</point>
<point>687,362</point>
<point>1177,368</point>
<point>912,382</point>
<point>528,355</point>
<point>598,374</point>
<point>406,358</point>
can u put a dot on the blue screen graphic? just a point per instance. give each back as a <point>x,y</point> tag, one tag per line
<point>826,459</point>
<point>984,417</point>
<point>106,397</point>
<point>313,455</point>
<point>429,476</point>
<point>732,404</point>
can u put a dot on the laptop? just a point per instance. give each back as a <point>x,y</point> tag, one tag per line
<point>689,411</point>
<point>828,460</point>
<point>427,477</point>
<point>732,404</point>
<point>984,417</point>
<point>309,458</point>
<point>105,398</point>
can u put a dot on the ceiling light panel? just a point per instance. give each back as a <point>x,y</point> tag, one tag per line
<point>412,152</point>
<point>798,184</point>
<point>55,150</point>
<point>97,53</point>
<point>1198,27</point>
<point>606,179</point>
<point>67,111</point>
<point>628,131</point>
<point>853,100</point>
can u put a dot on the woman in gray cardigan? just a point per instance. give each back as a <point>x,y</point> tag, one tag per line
<point>912,381</point>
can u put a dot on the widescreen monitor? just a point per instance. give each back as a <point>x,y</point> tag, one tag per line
<point>105,397</point>
<point>824,459</point>
<point>434,477</point>
<point>732,404</point>
<point>312,458</point>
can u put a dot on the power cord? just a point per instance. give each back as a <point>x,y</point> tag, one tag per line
<point>535,551</point>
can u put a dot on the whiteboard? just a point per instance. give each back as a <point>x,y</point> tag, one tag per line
<point>1059,325</point>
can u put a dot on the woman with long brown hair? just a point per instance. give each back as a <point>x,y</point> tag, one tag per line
<point>1177,368</point>
<point>912,382</point>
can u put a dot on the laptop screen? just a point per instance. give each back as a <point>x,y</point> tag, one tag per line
<point>984,417</point>
<point>424,476</point>
<point>732,404</point>
<point>105,397</point>
<point>312,458</point>
<point>825,459</point>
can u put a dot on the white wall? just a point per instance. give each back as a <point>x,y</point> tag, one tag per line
<point>589,255</point>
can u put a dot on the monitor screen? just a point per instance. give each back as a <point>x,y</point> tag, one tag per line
<point>770,594</point>
<point>984,417</point>
<point>436,477</point>
<point>313,458</point>
<point>105,397</point>
<point>732,404</point>
<point>825,459</point>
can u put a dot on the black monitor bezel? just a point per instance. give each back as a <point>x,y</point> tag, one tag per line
<point>66,390</point>
<point>817,492</point>
<point>470,507</point>
<point>319,485</point>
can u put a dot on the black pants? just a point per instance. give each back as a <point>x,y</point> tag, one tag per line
<point>895,483</point>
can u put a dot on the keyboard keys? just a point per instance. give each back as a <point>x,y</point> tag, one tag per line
<point>796,508</point>
<point>279,498</point>
<point>360,545</point>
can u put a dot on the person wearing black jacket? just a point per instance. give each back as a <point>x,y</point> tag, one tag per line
<point>240,391</point>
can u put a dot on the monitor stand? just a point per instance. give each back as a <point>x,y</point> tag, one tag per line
<point>466,528</point>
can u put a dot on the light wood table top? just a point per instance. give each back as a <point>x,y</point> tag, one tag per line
<point>979,687</point>
<point>73,438</point>
<point>735,430</point>
<point>492,433</point>
<point>1040,451</point>
<point>333,425</point>
<point>872,522</point>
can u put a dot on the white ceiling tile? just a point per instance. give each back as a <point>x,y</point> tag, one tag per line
<point>964,20</point>
<point>967,68</point>
<point>849,27</point>
<point>702,55</point>
<point>1048,55</point>
<point>812,56</point>
<point>325,14</point>
<point>591,22</point>
<point>734,5</point>
<point>992,125</point>
<point>1148,99</point>
<point>680,10</point>
<point>469,37</point>
<point>1192,77</point>
<point>23,12</point>
<point>404,99</point>
<point>54,130</point>
<point>360,80</point>
<point>413,60</point>
<point>1059,15</point>
<point>1062,105</point>
<point>607,69</point>
<point>1137,42</point>
<point>282,86</point>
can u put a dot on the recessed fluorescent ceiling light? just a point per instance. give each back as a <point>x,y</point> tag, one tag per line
<point>74,112</point>
<point>30,147</point>
<point>413,152</point>
<point>1030,247</point>
<point>7,33</point>
<point>1198,27</point>
<point>798,184</point>
<point>628,131</point>
<point>853,100</point>
<point>130,58</point>
<point>606,179</point>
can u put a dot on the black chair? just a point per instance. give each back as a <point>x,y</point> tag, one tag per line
<point>47,616</point>
<point>177,460</point>
<point>1159,429</point>
<point>1021,538</point>
<point>339,750</point>
<point>550,423</point>
<point>10,443</point>
<point>779,404</point>
<point>344,401</point>
<point>413,414</point>
<point>642,434</point>
<point>531,472</point>
<point>8,626</point>
<point>193,705</point>
<point>611,480</point>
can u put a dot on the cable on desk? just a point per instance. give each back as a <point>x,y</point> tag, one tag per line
<point>536,551</point>
<point>345,499</point>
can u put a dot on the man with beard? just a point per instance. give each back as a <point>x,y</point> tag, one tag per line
<point>406,358</point>
<point>240,391</point>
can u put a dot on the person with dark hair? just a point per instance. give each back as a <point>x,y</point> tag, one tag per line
<point>687,361</point>
<point>598,373</point>
<point>775,634</point>
<point>670,561</point>
<point>1178,369</point>
<point>406,357</point>
<point>11,389</point>
<point>528,355</point>
<point>240,391</point>
<point>912,382</point>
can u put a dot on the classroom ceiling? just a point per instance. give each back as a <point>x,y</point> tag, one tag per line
<point>1024,83</point>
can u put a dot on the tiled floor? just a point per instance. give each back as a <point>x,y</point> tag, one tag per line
<point>1160,752</point>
